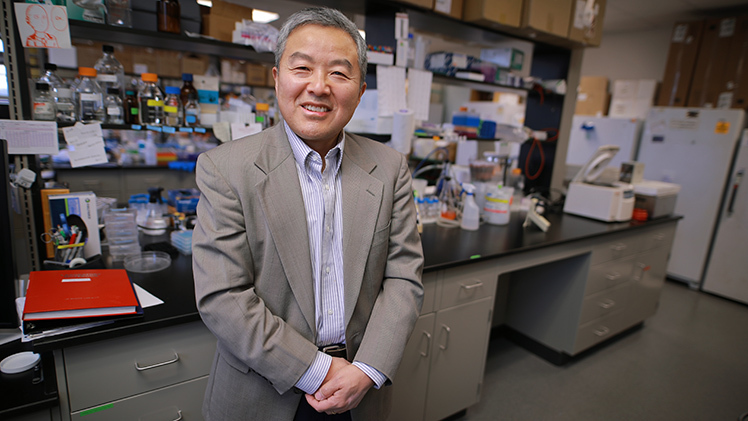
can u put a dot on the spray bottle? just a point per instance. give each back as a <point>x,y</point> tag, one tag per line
<point>470,210</point>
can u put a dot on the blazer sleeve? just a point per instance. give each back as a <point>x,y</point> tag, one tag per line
<point>399,302</point>
<point>224,287</point>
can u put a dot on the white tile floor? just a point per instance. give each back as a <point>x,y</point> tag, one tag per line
<point>688,362</point>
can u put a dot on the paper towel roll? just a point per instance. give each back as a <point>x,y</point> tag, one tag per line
<point>403,127</point>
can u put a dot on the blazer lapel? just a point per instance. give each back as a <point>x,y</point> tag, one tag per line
<point>362,200</point>
<point>282,202</point>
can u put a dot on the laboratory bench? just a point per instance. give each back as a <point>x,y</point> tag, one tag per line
<point>568,289</point>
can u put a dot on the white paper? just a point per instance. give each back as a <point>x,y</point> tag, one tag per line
<point>146,298</point>
<point>43,26</point>
<point>419,93</point>
<point>30,137</point>
<point>391,89</point>
<point>444,6</point>
<point>403,127</point>
<point>85,144</point>
<point>239,130</point>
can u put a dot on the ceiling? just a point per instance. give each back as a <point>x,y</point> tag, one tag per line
<point>640,15</point>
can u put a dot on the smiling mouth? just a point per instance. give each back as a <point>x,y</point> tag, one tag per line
<point>316,109</point>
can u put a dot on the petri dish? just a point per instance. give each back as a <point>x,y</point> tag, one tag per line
<point>147,261</point>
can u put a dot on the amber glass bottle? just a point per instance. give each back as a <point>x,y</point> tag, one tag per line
<point>169,16</point>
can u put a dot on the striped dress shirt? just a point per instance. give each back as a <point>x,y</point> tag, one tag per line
<point>321,191</point>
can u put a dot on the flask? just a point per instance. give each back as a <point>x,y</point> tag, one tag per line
<point>470,211</point>
<point>150,100</point>
<point>261,114</point>
<point>172,107</point>
<point>155,223</point>
<point>119,13</point>
<point>168,16</point>
<point>113,106</point>
<point>109,71</point>
<point>90,101</point>
<point>130,107</point>
<point>65,105</point>
<point>44,104</point>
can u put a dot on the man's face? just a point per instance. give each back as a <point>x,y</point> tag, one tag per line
<point>317,83</point>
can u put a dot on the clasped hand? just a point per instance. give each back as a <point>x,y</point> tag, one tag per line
<point>342,389</point>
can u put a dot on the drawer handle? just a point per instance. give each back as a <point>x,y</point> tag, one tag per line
<point>446,343</point>
<point>607,304</point>
<point>428,344</point>
<point>148,367</point>
<point>618,247</point>
<point>613,276</point>
<point>179,415</point>
<point>469,287</point>
<point>602,331</point>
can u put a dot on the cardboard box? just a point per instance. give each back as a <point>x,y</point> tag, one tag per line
<point>632,98</point>
<point>87,54</point>
<point>256,74</point>
<point>144,61</point>
<point>737,65</point>
<point>428,4</point>
<point>491,12</point>
<point>451,8</point>
<point>586,25</point>
<point>195,64</point>
<point>709,74</point>
<point>550,16</point>
<point>681,61</point>
<point>592,96</point>
<point>169,64</point>
<point>220,22</point>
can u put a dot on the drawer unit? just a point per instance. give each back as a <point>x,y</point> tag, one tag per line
<point>598,330</point>
<point>618,248</point>
<point>118,368</point>
<point>656,238</point>
<point>179,402</point>
<point>604,302</point>
<point>469,283</point>
<point>609,274</point>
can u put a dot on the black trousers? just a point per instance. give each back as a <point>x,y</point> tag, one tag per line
<point>306,413</point>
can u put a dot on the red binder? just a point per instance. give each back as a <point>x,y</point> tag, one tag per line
<point>78,295</point>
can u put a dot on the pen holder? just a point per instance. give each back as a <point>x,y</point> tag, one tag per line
<point>67,252</point>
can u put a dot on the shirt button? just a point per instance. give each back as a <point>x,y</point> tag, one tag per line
<point>327,187</point>
<point>329,312</point>
<point>327,269</point>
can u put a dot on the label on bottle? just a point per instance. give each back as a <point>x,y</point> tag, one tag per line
<point>171,109</point>
<point>190,119</point>
<point>89,104</point>
<point>44,110</point>
<point>134,111</point>
<point>155,103</point>
<point>107,78</point>
<point>114,110</point>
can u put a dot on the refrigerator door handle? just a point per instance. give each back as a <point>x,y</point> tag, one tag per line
<point>735,186</point>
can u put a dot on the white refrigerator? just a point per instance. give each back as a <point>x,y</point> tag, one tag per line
<point>695,148</point>
<point>727,269</point>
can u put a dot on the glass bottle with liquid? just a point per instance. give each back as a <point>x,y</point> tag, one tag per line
<point>130,108</point>
<point>151,101</point>
<point>173,107</point>
<point>109,71</point>
<point>115,113</point>
<point>119,13</point>
<point>44,104</point>
<point>90,101</point>
<point>65,105</point>
<point>168,16</point>
<point>51,78</point>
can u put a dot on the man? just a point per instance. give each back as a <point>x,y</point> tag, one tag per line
<point>306,257</point>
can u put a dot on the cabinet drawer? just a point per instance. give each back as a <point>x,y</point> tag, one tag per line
<point>657,238</point>
<point>599,330</point>
<point>614,249</point>
<point>183,401</point>
<point>119,368</point>
<point>603,303</point>
<point>607,275</point>
<point>468,283</point>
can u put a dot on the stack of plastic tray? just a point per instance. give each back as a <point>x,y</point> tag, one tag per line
<point>182,240</point>
<point>122,233</point>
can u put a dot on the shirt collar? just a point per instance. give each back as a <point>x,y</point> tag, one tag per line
<point>302,151</point>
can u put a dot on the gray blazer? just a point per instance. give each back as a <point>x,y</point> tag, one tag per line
<point>253,281</point>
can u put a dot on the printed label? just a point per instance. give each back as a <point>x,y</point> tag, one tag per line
<point>722,127</point>
<point>679,34</point>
